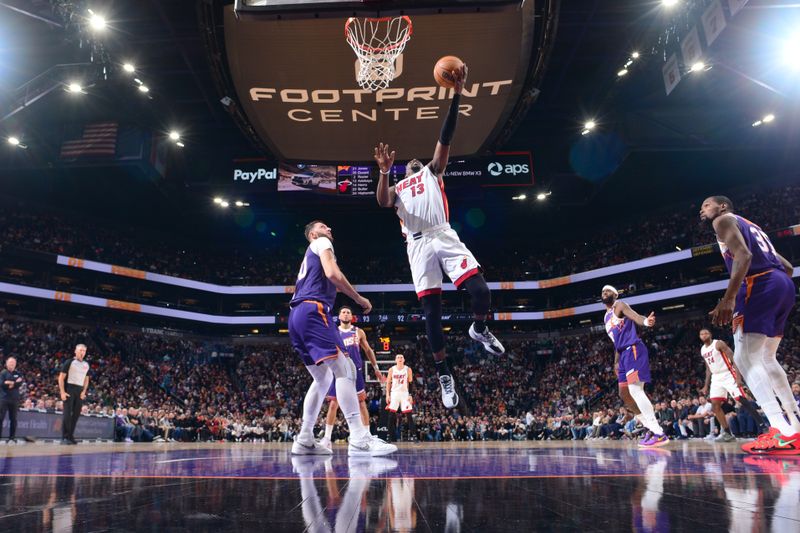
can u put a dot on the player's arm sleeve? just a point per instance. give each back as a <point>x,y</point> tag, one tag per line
<point>442,152</point>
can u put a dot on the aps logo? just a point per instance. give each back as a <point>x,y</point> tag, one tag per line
<point>497,169</point>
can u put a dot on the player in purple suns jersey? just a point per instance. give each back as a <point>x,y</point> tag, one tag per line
<point>433,246</point>
<point>632,363</point>
<point>355,343</point>
<point>758,300</point>
<point>315,339</point>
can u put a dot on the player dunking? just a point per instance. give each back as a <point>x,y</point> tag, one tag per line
<point>355,341</point>
<point>398,393</point>
<point>319,345</point>
<point>722,379</point>
<point>759,298</point>
<point>433,246</point>
<point>632,363</point>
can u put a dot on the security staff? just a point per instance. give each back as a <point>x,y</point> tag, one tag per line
<point>75,372</point>
<point>10,381</point>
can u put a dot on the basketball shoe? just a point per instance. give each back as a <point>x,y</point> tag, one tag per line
<point>370,446</point>
<point>771,432</point>
<point>778,445</point>
<point>312,447</point>
<point>654,441</point>
<point>326,442</point>
<point>449,395</point>
<point>489,341</point>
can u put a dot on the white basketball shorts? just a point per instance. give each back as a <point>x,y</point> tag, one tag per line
<point>433,251</point>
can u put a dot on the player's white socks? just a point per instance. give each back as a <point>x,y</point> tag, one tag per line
<point>313,401</point>
<point>748,355</point>
<point>648,413</point>
<point>328,431</point>
<point>780,382</point>
<point>348,401</point>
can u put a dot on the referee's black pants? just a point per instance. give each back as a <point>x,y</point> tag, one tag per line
<point>11,407</point>
<point>72,410</point>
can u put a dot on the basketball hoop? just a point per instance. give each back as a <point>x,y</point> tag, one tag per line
<point>377,42</point>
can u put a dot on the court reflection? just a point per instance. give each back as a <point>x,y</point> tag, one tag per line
<point>565,488</point>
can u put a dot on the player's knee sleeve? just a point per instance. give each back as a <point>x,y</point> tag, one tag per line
<point>432,306</point>
<point>481,297</point>
<point>322,376</point>
<point>342,367</point>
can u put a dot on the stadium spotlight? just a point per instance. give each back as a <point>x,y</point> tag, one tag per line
<point>239,203</point>
<point>15,142</point>
<point>144,88</point>
<point>669,3</point>
<point>588,127</point>
<point>96,22</point>
<point>75,88</point>
<point>699,66</point>
<point>635,55</point>
<point>174,135</point>
<point>520,197</point>
<point>217,200</point>
<point>223,203</point>
<point>179,144</point>
<point>764,120</point>
<point>622,72</point>
<point>129,68</point>
<point>542,196</point>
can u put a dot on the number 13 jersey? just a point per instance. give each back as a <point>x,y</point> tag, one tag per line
<point>420,202</point>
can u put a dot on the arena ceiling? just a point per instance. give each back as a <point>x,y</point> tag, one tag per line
<point>647,145</point>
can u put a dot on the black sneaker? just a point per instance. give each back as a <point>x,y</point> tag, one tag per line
<point>65,442</point>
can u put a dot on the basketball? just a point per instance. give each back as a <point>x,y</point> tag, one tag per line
<point>443,68</point>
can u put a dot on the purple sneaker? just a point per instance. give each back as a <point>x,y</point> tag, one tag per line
<point>655,441</point>
<point>646,437</point>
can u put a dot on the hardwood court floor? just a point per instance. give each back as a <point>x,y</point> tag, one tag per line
<point>527,486</point>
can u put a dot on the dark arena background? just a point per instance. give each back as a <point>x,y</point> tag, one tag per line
<point>160,160</point>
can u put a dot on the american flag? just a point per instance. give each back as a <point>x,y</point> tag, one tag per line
<point>98,140</point>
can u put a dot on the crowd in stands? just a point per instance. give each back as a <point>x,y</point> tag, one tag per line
<point>162,387</point>
<point>657,232</point>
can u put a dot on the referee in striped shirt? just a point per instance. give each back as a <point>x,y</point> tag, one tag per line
<point>75,373</point>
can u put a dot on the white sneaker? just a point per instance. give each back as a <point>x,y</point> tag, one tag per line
<point>370,446</point>
<point>488,340</point>
<point>725,437</point>
<point>449,396</point>
<point>710,436</point>
<point>326,442</point>
<point>309,448</point>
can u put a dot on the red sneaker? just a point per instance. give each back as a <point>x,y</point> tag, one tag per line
<point>778,445</point>
<point>771,432</point>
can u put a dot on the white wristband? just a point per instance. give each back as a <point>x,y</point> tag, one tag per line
<point>384,173</point>
<point>645,324</point>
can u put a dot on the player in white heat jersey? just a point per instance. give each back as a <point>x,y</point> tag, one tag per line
<point>433,246</point>
<point>398,396</point>
<point>722,379</point>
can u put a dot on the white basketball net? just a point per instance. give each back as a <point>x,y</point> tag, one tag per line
<point>377,42</point>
